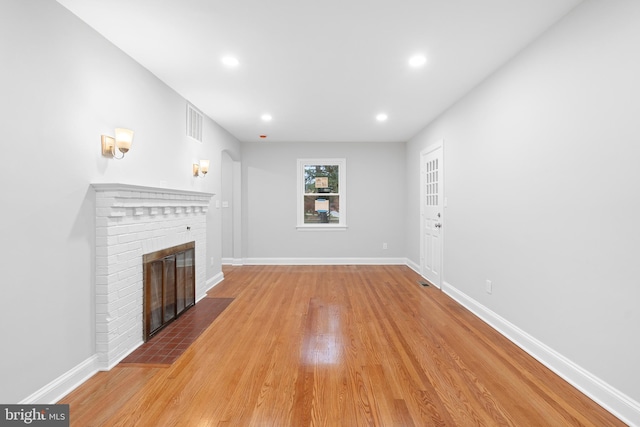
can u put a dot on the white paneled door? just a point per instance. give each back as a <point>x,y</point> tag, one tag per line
<point>431,213</point>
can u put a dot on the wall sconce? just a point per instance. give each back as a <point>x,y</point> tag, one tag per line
<point>201,169</point>
<point>123,140</point>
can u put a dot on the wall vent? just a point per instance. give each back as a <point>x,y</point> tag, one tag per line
<point>194,122</point>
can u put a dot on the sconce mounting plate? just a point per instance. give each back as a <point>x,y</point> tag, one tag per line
<point>108,144</point>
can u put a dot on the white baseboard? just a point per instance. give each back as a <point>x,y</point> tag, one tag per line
<point>616,402</point>
<point>210,283</point>
<point>64,384</point>
<point>108,367</point>
<point>412,265</point>
<point>325,261</point>
<point>232,261</point>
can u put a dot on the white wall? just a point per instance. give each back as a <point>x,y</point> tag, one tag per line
<point>62,86</point>
<point>542,182</point>
<point>269,204</point>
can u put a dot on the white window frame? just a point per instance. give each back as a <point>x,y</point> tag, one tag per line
<point>342,193</point>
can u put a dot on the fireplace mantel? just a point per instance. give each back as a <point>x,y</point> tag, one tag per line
<point>132,220</point>
<point>118,197</point>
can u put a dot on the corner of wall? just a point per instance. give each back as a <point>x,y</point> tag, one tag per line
<point>213,281</point>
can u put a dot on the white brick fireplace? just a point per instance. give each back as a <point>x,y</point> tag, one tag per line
<point>130,222</point>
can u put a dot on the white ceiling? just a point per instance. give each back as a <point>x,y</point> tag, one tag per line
<point>322,69</point>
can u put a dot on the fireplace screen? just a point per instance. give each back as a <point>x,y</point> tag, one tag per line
<point>169,286</point>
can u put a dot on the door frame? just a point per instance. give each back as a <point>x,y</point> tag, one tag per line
<point>428,149</point>
<point>231,216</point>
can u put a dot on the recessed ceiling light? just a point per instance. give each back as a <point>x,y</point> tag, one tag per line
<point>230,61</point>
<point>381,117</point>
<point>417,61</point>
<point>266,117</point>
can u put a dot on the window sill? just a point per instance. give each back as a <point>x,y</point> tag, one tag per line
<point>328,227</point>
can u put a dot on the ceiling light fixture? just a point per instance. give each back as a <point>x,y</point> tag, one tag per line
<point>381,117</point>
<point>266,117</point>
<point>230,61</point>
<point>417,61</point>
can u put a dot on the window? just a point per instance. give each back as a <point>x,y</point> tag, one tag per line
<point>322,198</point>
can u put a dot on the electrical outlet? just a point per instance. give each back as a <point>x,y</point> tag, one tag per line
<point>211,261</point>
<point>384,246</point>
<point>488,286</point>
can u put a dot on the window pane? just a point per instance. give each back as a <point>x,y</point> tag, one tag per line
<point>328,179</point>
<point>169,288</point>
<point>321,210</point>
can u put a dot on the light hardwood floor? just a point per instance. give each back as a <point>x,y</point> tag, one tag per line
<point>337,346</point>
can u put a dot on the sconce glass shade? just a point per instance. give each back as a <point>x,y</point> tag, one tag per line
<point>124,138</point>
<point>200,169</point>
<point>204,166</point>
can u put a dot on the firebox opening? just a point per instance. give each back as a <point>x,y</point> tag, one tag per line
<point>169,286</point>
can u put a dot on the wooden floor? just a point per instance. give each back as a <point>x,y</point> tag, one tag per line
<point>337,346</point>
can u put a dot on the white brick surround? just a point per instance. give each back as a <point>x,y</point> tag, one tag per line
<point>130,222</point>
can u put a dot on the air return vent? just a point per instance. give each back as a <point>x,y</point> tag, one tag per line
<point>194,123</point>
